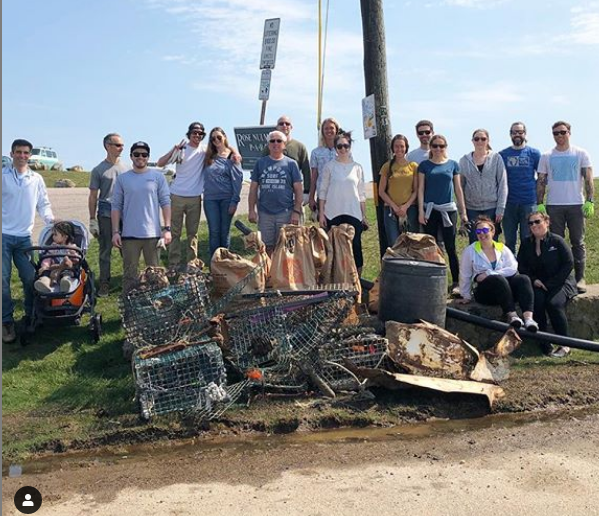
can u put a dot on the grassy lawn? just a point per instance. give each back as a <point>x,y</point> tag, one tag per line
<point>81,179</point>
<point>64,387</point>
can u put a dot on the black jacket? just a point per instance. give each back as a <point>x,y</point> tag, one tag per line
<point>553,266</point>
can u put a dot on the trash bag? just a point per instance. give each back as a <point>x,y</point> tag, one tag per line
<point>292,265</point>
<point>228,269</point>
<point>253,241</point>
<point>340,267</point>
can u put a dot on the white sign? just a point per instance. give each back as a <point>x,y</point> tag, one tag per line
<point>369,117</point>
<point>265,84</point>
<point>269,43</point>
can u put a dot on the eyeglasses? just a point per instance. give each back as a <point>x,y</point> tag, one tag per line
<point>119,145</point>
<point>517,133</point>
<point>283,123</point>
<point>278,140</point>
<point>560,133</point>
<point>140,154</point>
<point>483,231</point>
<point>480,139</point>
<point>217,137</point>
<point>198,133</point>
<point>343,146</point>
<point>534,222</point>
<point>423,133</point>
<point>438,145</point>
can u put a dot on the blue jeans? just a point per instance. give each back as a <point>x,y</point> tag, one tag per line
<point>12,250</point>
<point>392,228</point>
<point>516,215</point>
<point>219,223</point>
<point>473,216</point>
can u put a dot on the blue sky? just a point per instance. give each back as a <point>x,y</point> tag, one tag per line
<point>74,71</point>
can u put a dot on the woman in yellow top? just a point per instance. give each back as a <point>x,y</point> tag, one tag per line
<point>398,188</point>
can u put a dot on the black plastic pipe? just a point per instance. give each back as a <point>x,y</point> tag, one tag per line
<point>542,336</point>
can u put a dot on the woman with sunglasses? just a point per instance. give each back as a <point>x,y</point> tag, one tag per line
<point>223,177</point>
<point>342,196</point>
<point>484,182</point>
<point>547,260</point>
<point>438,178</point>
<point>489,273</point>
<point>398,188</point>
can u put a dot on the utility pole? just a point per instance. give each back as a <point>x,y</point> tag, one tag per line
<point>375,75</point>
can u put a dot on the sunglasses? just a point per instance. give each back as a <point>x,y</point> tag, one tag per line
<point>140,154</point>
<point>283,123</point>
<point>560,133</point>
<point>343,146</point>
<point>480,139</point>
<point>438,145</point>
<point>198,133</point>
<point>119,145</point>
<point>517,133</point>
<point>534,222</point>
<point>483,231</point>
<point>278,140</point>
<point>424,133</point>
<point>217,137</point>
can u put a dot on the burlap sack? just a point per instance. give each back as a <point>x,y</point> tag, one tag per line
<point>228,269</point>
<point>340,267</point>
<point>254,242</point>
<point>321,248</point>
<point>292,266</point>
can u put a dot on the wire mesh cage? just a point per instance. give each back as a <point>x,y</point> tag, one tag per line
<point>161,316</point>
<point>192,378</point>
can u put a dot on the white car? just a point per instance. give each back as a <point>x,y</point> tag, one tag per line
<point>44,158</point>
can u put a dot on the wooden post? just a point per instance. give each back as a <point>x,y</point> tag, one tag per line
<point>263,113</point>
<point>375,75</point>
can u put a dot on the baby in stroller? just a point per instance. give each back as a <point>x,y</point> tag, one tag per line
<point>57,266</point>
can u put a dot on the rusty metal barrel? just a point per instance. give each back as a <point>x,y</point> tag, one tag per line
<point>411,290</point>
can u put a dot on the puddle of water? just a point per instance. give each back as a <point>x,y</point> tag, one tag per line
<point>245,444</point>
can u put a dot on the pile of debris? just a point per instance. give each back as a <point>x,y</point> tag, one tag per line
<point>196,352</point>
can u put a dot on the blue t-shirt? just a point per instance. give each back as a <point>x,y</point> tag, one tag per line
<point>521,166</point>
<point>438,186</point>
<point>275,179</point>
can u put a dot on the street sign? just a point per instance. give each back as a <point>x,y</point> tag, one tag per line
<point>251,142</point>
<point>269,43</point>
<point>369,117</point>
<point>265,84</point>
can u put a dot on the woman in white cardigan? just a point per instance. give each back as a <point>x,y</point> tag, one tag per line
<point>489,273</point>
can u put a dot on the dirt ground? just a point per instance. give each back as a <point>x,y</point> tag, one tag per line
<point>548,467</point>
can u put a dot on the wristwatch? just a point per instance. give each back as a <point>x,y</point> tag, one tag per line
<point>166,228</point>
<point>297,211</point>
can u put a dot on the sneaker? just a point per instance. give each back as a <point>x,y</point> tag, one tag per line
<point>9,335</point>
<point>560,352</point>
<point>42,286</point>
<point>454,290</point>
<point>547,348</point>
<point>531,325</point>
<point>104,290</point>
<point>65,285</point>
<point>581,286</point>
<point>514,321</point>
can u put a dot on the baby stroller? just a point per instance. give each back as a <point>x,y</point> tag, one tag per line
<point>65,307</point>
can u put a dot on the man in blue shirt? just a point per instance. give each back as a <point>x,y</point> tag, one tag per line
<point>23,193</point>
<point>521,164</point>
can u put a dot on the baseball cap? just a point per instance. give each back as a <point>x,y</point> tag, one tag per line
<point>195,125</point>
<point>140,145</point>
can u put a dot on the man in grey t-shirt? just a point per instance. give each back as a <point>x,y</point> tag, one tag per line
<point>101,184</point>
<point>424,132</point>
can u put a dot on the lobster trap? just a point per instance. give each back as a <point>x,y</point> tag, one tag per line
<point>161,316</point>
<point>193,378</point>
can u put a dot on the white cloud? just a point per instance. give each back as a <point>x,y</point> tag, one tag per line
<point>585,25</point>
<point>475,4</point>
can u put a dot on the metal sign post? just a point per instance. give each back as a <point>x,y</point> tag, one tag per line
<point>268,57</point>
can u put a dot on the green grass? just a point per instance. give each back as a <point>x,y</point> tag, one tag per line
<point>81,179</point>
<point>63,386</point>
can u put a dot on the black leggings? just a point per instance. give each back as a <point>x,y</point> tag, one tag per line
<point>357,242</point>
<point>435,222</point>
<point>555,307</point>
<point>505,291</point>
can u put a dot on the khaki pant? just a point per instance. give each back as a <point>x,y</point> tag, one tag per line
<point>191,209</point>
<point>132,249</point>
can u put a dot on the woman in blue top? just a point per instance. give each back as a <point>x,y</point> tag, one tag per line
<point>223,177</point>
<point>438,178</point>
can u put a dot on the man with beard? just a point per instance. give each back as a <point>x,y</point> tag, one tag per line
<point>521,164</point>
<point>424,132</point>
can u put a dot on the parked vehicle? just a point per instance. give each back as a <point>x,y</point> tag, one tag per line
<point>44,158</point>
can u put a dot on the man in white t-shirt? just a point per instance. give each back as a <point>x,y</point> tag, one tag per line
<point>565,169</point>
<point>186,189</point>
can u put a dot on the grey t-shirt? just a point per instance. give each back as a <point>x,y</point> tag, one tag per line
<point>139,197</point>
<point>102,178</point>
<point>417,155</point>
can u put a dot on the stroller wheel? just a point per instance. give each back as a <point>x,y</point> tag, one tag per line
<point>95,326</point>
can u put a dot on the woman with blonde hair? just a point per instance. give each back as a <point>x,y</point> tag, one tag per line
<point>321,155</point>
<point>398,188</point>
<point>484,182</point>
<point>223,177</point>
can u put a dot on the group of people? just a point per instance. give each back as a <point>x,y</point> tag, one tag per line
<point>422,190</point>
